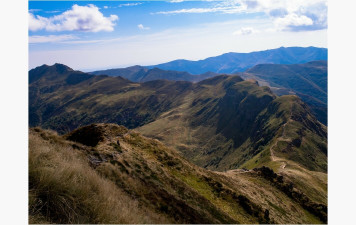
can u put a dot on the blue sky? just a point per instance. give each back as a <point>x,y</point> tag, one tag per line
<point>89,35</point>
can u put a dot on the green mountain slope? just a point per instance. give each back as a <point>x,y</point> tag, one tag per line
<point>308,81</point>
<point>105,173</point>
<point>219,123</point>
<point>222,150</point>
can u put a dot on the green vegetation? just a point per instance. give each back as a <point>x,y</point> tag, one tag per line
<point>221,124</point>
<point>308,81</point>
<point>144,182</point>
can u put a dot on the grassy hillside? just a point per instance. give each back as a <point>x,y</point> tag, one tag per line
<point>224,129</point>
<point>105,173</point>
<point>219,123</point>
<point>308,81</point>
<point>64,188</point>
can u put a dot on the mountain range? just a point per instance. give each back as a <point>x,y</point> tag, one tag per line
<point>238,62</point>
<point>148,145</point>
<point>307,80</point>
<point>218,123</point>
<point>142,74</point>
<point>293,70</point>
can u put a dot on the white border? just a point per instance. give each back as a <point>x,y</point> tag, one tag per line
<point>14,111</point>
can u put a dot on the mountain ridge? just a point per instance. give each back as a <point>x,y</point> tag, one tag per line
<point>307,80</point>
<point>301,71</point>
<point>226,110</point>
<point>238,62</point>
<point>221,150</point>
<point>142,74</point>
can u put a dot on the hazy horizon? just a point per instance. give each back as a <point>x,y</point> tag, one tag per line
<point>130,65</point>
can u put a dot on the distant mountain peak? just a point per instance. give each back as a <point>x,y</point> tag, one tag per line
<point>55,71</point>
<point>233,62</point>
<point>58,67</point>
<point>62,68</point>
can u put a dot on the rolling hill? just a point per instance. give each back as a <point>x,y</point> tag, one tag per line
<point>238,62</point>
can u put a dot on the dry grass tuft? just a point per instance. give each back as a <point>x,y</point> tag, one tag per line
<point>63,188</point>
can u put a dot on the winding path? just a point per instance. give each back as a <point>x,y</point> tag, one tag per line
<point>282,138</point>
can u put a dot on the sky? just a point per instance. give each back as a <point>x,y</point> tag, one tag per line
<point>92,35</point>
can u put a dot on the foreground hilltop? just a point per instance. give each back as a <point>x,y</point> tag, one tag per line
<point>219,123</point>
<point>105,173</point>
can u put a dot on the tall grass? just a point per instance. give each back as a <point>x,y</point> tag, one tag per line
<point>63,188</point>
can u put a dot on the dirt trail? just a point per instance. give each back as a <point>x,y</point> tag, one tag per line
<point>273,157</point>
<point>282,138</point>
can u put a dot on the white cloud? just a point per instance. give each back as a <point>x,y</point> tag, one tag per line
<point>245,31</point>
<point>292,15</point>
<point>79,18</point>
<point>176,1</point>
<point>130,4</point>
<point>106,7</point>
<point>141,27</point>
<point>289,5</point>
<point>36,23</point>
<point>50,38</point>
<point>293,20</point>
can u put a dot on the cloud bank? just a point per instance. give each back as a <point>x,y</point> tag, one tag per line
<point>78,18</point>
